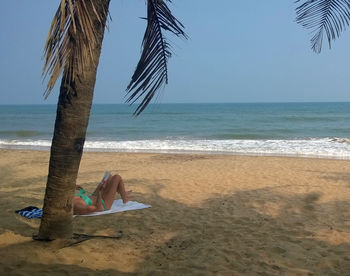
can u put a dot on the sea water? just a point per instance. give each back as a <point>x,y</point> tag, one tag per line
<point>278,129</point>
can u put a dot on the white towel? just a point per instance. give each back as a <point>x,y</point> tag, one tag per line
<point>119,206</point>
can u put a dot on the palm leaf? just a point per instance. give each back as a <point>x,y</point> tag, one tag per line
<point>69,42</point>
<point>151,71</point>
<point>329,17</point>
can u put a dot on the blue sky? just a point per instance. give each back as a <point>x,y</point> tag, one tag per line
<point>238,51</point>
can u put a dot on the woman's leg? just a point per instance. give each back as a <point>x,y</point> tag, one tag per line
<point>114,184</point>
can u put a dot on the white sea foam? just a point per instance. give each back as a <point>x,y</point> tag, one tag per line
<point>337,148</point>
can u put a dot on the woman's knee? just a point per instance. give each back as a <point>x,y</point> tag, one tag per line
<point>116,178</point>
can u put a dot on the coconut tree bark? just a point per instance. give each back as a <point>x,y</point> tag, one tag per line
<point>73,111</point>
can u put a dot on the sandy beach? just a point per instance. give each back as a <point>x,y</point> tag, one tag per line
<point>210,215</point>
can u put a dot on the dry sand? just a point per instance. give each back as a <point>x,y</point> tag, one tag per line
<point>210,215</point>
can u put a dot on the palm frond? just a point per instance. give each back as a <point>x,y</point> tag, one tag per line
<point>329,17</point>
<point>151,71</point>
<point>70,40</point>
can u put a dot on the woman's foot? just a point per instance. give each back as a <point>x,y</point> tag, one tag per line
<point>126,196</point>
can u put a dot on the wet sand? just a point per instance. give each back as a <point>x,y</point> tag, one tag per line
<point>210,215</point>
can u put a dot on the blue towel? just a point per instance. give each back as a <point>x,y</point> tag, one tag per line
<point>30,212</point>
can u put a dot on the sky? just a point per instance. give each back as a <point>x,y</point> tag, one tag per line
<point>237,51</point>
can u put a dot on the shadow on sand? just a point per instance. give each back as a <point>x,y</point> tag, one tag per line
<point>226,235</point>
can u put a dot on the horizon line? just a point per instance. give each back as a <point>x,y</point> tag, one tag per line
<point>238,102</point>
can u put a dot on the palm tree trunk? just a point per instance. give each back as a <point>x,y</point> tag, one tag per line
<point>73,111</point>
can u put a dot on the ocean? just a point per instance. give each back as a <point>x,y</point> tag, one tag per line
<point>274,129</point>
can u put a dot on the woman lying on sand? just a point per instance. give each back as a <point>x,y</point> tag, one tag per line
<point>102,198</point>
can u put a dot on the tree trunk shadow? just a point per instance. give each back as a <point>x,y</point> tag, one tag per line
<point>76,239</point>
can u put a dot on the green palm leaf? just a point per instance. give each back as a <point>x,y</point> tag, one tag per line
<point>329,17</point>
<point>151,71</point>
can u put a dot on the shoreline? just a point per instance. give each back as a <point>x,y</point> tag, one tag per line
<point>210,215</point>
<point>188,152</point>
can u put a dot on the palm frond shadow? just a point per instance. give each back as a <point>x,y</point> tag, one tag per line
<point>234,231</point>
<point>251,237</point>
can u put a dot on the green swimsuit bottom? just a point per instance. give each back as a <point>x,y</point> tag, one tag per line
<point>83,195</point>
